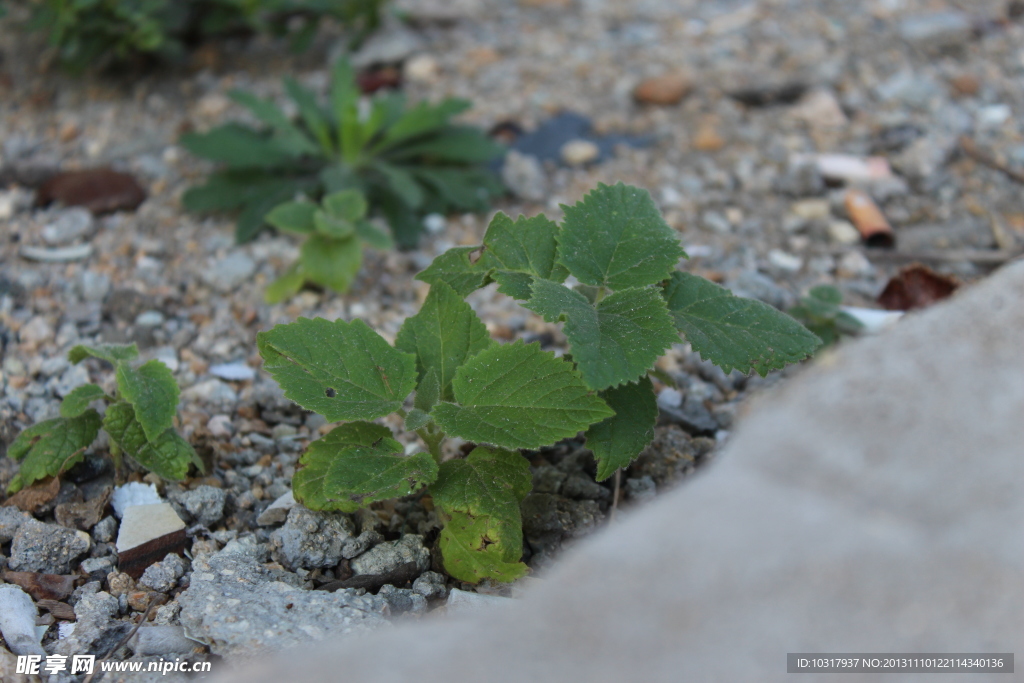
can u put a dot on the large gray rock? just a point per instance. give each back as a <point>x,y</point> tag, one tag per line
<point>47,548</point>
<point>234,604</point>
<point>311,539</point>
<point>873,504</point>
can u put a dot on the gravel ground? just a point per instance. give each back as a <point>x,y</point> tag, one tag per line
<point>749,94</point>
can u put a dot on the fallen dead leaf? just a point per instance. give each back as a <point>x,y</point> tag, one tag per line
<point>916,286</point>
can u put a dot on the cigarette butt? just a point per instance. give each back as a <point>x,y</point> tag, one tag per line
<point>868,218</point>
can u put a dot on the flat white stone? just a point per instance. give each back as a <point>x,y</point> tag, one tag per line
<point>143,523</point>
<point>134,493</point>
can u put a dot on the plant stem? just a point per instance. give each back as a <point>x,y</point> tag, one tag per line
<point>115,455</point>
<point>433,441</point>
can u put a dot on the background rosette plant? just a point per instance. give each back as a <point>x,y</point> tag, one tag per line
<point>139,421</point>
<point>407,161</point>
<point>90,34</point>
<point>629,305</point>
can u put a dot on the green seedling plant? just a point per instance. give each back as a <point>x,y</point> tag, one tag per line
<point>335,231</point>
<point>629,305</point>
<point>99,33</point>
<point>407,161</point>
<point>138,421</point>
<point>820,311</point>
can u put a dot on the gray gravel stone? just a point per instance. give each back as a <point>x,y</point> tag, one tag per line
<point>163,576</point>
<point>311,539</point>
<point>430,585</point>
<point>67,226</point>
<point>11,519</point>
<point>95,629</point>
<point>234,604</point>
<point>388,556</point>
<point>229,272</point>
<point>524,175</point>
<point>204,503</point>
<point>402,600</point>
<point>105,530</point>
<point>93,286</point>
<point>47,548</point>
<point>361,543</point>
<point>212,392</point>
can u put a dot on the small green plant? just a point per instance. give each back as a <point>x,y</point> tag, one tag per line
<point>333,251</point>
<point>98,33</point>
<point>820,311</point>
<point>138,420</point>
<point>629,306</point>
<point>408,162</point>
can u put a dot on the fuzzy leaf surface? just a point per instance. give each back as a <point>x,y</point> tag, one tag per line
<point>458,270</point>
<point>168,455</point>
<point>517,396</point>
<point>344,371</point>
<point>52,446</point>
<point>733,332</point>
<point>112,353</point>
<point>617,340</point>
<point>443,335</point>
<point>526,246</point>
<point>617,441</point>
<point>77,402</point>
<point>153,392</point>
<point>479,496</point>
<point>356,464</point>
<point>617,238</point>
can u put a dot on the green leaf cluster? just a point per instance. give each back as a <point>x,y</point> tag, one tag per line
<point>820,311</point>
<point>629,305</point>
<point>407,161</point>
<point>138,420</point>
<point>335,232</point>
<point>100,33</point>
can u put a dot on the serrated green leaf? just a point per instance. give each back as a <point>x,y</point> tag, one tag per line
<point>526,247</point>
<point>112,353</point>
<point>479,498</point>
<point>344,371</point>
<point>332,226</point>
<point>294,217</point>
<point>415,419</point>
<point>167,456</point>
<point>617,238</point>
<point>428,391</point>
<point>373,236</point>
<point>615,341</point>
<point>285,286</point>
<point>517,396</point>
<point>456,268</point>
<point>330,262</point>
<point>443,335</point>
<point>617,441</point>
<point>50,447</point>
<point>733,332</point>
<point>356,464</point>
<point>153,392</point>
<point>77,402</point>
<point>348,205</point>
